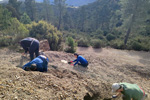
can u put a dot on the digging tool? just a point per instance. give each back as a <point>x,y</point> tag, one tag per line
<point>21,61</point>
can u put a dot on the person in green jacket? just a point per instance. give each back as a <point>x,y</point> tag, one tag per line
<point>129,91</point>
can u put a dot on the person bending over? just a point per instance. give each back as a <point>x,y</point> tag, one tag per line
<point>30,45</point>
<point>129,91</point>
<point>37,64</point>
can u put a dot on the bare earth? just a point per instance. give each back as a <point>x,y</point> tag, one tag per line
<point>65,82</point>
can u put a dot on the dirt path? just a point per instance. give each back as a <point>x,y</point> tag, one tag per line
<point>63,82</point>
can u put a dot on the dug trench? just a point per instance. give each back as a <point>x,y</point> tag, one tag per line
<point>64,82</point>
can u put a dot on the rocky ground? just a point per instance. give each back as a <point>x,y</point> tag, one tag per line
<point>65,82</point>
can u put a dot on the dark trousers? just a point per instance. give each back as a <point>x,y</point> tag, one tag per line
<point>34,48</point>
<point>84,65</point>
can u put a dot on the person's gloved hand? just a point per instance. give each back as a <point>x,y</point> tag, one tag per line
<point>24,55</point>
<point>114,96</point>
<point>70,62</point>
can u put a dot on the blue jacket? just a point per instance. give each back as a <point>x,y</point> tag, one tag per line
<point>81,60</point>
<point>41,64</point>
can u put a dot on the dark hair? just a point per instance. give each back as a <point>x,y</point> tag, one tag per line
<point>27,68</point>
<point>33,67</point>
<point>76,54</point>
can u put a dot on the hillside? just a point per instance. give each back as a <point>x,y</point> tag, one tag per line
<point>62,81</point>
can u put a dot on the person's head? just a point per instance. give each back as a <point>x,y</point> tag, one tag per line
<point>76,55</point>
<point>33,67</point>
<point>116,87</point>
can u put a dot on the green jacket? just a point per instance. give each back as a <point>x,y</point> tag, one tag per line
<point>131,91</point>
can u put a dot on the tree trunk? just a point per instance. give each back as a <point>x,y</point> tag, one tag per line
<point>131,24</point>
<point>60,14</point>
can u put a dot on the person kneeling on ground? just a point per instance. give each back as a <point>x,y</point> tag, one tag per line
<point>37,64</point>
<point>129,91</point>
<point>79,60</point>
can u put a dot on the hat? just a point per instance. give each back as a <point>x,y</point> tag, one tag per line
<point>115,87</point>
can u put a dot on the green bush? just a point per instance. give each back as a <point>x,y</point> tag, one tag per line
<point>117,44</point>
<point>110,37</point>
<point>17,30</point>
<point>14,33</point>
<point>71,45</point>
<point>5,18</point>
<point>42,30</point>
<point>25,19</point>
<point>139,43</point>
<point>5,41</point>
<point>136,46</point>
<point>83,42</point>
<point>96,43</point>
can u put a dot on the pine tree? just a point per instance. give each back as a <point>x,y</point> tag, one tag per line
<point>14,7</point>
<point>134,14</point>
<point>31,9</point>
<point>48,10</point>
<point>25,19</point>
<point>60,6</point>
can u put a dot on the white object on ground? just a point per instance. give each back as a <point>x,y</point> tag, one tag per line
<point>64,61</point>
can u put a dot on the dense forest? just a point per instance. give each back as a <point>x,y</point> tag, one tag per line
<point>121,24</point>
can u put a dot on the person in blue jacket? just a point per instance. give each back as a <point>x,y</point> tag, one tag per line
<point>79,60</point>
<point>30,45</point>
<point>37,64</point>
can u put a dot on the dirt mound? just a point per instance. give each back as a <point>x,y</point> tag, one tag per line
<point>64,82</point>
<point>44,45</point>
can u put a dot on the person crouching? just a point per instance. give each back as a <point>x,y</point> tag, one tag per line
<point>79,60</point>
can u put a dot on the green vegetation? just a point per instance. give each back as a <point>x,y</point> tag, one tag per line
<point>25,19</point>
<point>96,43</point>
<point>71,45</point>
<point>83,42</point>
<point>121,24</point>
<point>43,30</point>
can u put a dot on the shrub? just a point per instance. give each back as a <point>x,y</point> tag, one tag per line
<point>117,44</point>
<point>17,30</point>
<point>136,46</point>
<point>55,40</point>
<point>25,19</point>
<point>110,37</point>
<point>97,43</point>
<point>14,33</point>
<point>83,42</point>
<point>71,45</point>
<point>5,41</point>
<point>5,17</point>
<point>42,30</point>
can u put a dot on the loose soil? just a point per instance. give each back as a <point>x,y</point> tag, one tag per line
<point>65,82</point>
